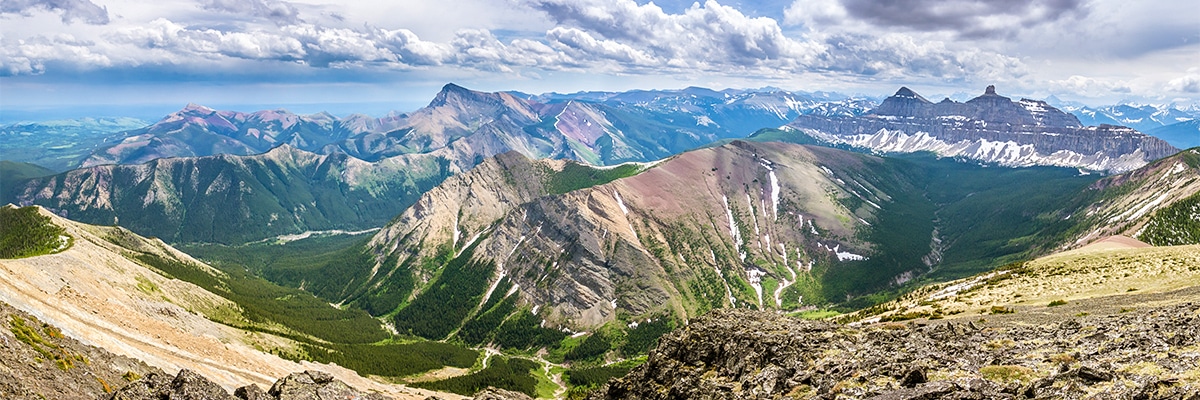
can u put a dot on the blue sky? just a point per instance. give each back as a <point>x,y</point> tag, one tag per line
<point>380,55</point>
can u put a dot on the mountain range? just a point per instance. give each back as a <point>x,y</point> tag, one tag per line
<point>763,225</point>
<point>991,129</point>
<point>1143,117</point>
<point>600,128</point>
<point>492,237</point>
<point>236,199</point>
<point>1183,135</point>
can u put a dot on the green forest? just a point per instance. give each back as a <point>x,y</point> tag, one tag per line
<point>25,233</point>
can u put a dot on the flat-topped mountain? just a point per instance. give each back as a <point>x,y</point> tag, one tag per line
<point>990,128</point>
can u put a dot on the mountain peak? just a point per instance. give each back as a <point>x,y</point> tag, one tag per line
<point>906,92</point>
<point>452,87</point>
<point>905,102</point>
<point>450,92</point>
<point>193,107</point>
<point>991,89</point>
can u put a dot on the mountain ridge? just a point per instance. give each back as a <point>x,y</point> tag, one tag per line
<point>989,128</point>
<point>282,191</point>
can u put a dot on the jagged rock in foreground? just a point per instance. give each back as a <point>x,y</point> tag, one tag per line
<point>187,385</point>
<point>500,394</point>
<point>739,354</point>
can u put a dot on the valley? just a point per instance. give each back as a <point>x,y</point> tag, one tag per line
<point>545,244</point>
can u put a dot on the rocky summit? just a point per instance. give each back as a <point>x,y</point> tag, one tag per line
<point>738,354</point>
<point>306,385</point>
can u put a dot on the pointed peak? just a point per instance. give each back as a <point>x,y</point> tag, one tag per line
<point>452,91</point>
<point>193,107</point>
<point>991,90</point>
<point>452,87</point>
<point>905,92</point>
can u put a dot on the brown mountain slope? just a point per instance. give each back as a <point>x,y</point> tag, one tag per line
<point>95,294</point>
<point>734,225</point>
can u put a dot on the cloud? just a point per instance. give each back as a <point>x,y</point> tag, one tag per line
<point>29,56</point>
<point>1189,83</point>
<point>811,13</point>
<point>966,18</point>
<point>410,49</point>
<point>71,10</point>
<point>582,46</point>
<point>614,37</point>
<point>167,36</point>
<point>707,36</point>
<point>898,56</point>
<point>1089,87</point>
<point>1102,47</point>
<point>281,12</point>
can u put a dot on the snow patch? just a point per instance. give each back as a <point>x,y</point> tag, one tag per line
<point>733,228</point>
<point>754,276</point>
<point>774,194</point>
<point>492,288</point>
<point>955,289</point>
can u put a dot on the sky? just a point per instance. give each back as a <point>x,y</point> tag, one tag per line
<point>378,55</point>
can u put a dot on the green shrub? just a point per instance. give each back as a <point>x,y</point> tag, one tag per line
<point>1004,374</point>
<point>1001,310</point>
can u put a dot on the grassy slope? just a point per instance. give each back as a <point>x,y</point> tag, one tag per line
<point>1091,279</point>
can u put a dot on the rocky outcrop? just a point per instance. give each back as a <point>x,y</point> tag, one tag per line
<point>37,361</point>
<point>187,385</point>
<point>989,128</point>
<point>739,354</point>
<point>501,394</point>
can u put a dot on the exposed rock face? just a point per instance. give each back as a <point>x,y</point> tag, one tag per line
<point>501,394</point>
<point>989,128</point>
<point>42,363</point>
<point>739,354</point>
<point>187,385</point>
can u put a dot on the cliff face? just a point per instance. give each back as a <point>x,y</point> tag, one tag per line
<point>989,128</point>
<point>739,354</point>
